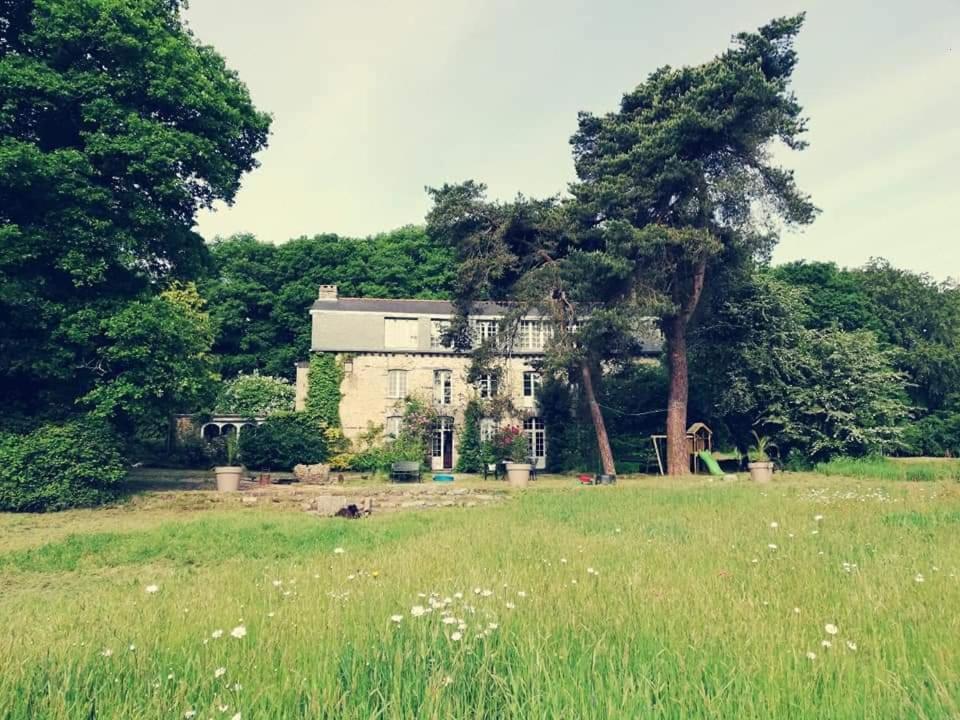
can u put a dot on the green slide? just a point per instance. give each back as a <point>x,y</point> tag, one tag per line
<point>711,463</point>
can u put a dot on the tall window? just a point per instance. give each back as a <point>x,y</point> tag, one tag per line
<point>397,384</point>
<point>392,427</point>
<point>531,384</point>
<point>487,386</point>
<point>437,330</point>
<point>443,387</point>
<point>484,330</point>
<point>400,333</point>
<point>530,335</point>
<point>488,427</point>
<point>536,437</point>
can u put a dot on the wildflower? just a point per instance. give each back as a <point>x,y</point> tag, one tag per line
<point>919,578</point>
<point>590,571</point>
<point>462,626</point>
<point>152,589</point>
<point>170,676</point>
<point>563,560</point>
<point>852,646</point>
<point>338,551</point>
<point>396,618</point>
<point>107,652</point>
<point>456,637</point>
<point>830,629</point>
<point>772,546</point>
<point>237,687</point>
<point>351,577</point>
<point>492,626</point>
<point>818,518</point>
<point>239,631</point>
<point>132,648</point>
<point>223,708</point>
<point>450,620</point>
<point>236,717</point>
<point>270,614</point>
<point>477,591</point>
<point>510,606</point>
<point>277,583</point>
<point>811,655</point>
<point>375,574</point>
<point>458,595</point>
<point>826,643</point>
<point>521,594</point>
<point>216,634</point>
<point>774,524</point>
<point>616,530</point>
<point>755,561</point>
<point>814,532</point>
<point>418,610</point>
<point>190,714</point>
<point>796,610</point>
<point>219,672</point>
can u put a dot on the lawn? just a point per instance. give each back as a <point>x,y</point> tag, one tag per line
<point>652,598</point>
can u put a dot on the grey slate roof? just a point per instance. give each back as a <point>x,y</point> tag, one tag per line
<point>416,307</point>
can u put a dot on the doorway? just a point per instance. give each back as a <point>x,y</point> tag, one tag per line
<point>442,451</point>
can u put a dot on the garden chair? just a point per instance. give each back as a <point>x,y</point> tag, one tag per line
<point>406,471</point>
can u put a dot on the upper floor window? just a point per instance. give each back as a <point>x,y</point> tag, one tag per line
<point>531,384</point>
<point>531,335</point>
<point>443,387</point>
<point>397,384</point>
<point>487,386</point>
<point>392,427</point>
<point>400,333</point>
<point>484,330</point>
<point>438,330</point>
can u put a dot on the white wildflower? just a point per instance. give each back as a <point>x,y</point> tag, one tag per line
<point>492,626</point>
<point>852,646</point>
<point>418,611</point>
<point>277,583</point>
<point>219,672</point>
<point>216,634</point>
<point>521,594</point>
<point>830,629</point>
<point>152,589</point>
<point>132,648</point>
<point>458,595</point>
<point>338,551</point>
<point>107,652</point>
<point>486,593</point>
<point>510,606</point>
<point>818,518</point>
<point>450,620</point>
<point>190,714</point>
<point>826,643</point>
<point>919,578</point>
<point>456,637</point>
<point>396,618</point>
<point>238,632</point>
<point>796,610</point>
<point>811,655</point>
<point>774,524</point>
<point>772,546</point>
<point>236,717</point>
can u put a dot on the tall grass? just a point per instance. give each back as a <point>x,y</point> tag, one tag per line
<point>881,468</point>
<point>604,602</point>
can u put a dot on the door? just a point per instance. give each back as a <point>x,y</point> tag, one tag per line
<point>442,451</point>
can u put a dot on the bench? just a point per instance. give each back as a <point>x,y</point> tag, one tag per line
<point>405,471</point>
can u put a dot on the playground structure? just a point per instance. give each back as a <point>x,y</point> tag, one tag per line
<point>699,447</point>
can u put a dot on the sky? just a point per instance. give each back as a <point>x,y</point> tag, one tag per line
<point>375,99</point>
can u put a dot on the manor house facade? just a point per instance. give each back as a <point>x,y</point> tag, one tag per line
<point>392,349</point>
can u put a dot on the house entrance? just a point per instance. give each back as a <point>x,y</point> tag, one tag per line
<point>442,451</point>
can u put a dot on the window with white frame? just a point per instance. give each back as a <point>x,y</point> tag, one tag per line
<point>488,428</point>
<point>438,330</point>
<point>400,333</point>
<point>531,384</point>
<point>536,433</point>
<point>391,428</point>
<point>530,335</point>
<point>487,386</point>
<point>484,330</point>
<point>397,384</point>
<point>443,387</point>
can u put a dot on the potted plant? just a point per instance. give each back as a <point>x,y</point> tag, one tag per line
<point>514,448</point>
<point>760,465</point>
<point>228,476</point>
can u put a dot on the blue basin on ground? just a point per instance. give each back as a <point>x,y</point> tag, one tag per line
<point>443,478</point>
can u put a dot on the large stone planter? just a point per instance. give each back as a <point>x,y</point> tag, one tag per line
<point>228,477</point>
<point>518,474</point>
<point>761,472</point>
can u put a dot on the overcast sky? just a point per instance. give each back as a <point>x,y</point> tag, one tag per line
<point>374,99</point>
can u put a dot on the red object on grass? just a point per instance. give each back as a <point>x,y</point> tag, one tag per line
<point>586,479</point>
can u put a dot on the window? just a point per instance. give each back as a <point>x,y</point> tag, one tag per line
<point>530,335</point>
<point>437,330</point>
<point>484,330</point>
<point>488,428</point>
<point>400,333</point>
<point>487,386</point>
<point>392,427</point>
<point>536,437</point>
<point>443,387</point>
<point>397,384</point>
<point>531,384</point>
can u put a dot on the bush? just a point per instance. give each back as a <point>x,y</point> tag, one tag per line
<point>255,395</point>
<point>56,467</point>
<point>282,441</point>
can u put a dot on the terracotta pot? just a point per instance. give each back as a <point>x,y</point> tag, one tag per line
<point>761,472</point>
<point>518,474</point>
<point>228,477</point>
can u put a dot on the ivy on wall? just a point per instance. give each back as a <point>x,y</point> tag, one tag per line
<point>323,390</point>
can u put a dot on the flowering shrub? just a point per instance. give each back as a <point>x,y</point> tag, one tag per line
<point>511,444</point>
<point>255,395</point>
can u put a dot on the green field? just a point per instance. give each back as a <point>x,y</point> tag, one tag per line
<point>649,599</point>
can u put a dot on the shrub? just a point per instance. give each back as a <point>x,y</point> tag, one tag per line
<point>255,395</point>
<point>282,441</point>
<point>56,467</point>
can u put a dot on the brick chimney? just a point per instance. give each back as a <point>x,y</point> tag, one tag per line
<point>327,292</point>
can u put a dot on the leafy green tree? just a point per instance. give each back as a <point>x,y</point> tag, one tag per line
<point>255,395</point>
<point>283,440</point>
<point>154,360</point>
<point>116,126</point>
<point>679,185</point>
<point>471,456</point>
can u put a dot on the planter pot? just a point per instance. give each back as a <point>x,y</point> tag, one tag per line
<point>606,479</point>
<point>761,472</point>
<point>518,474</point>
<point>228,477</point>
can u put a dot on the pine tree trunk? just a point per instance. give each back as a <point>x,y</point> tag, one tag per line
<point>678,460</point>
<point>603,441</point>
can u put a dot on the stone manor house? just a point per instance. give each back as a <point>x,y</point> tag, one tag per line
<point>392,349</point>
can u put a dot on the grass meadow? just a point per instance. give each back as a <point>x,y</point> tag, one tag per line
<point>813,597</point>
